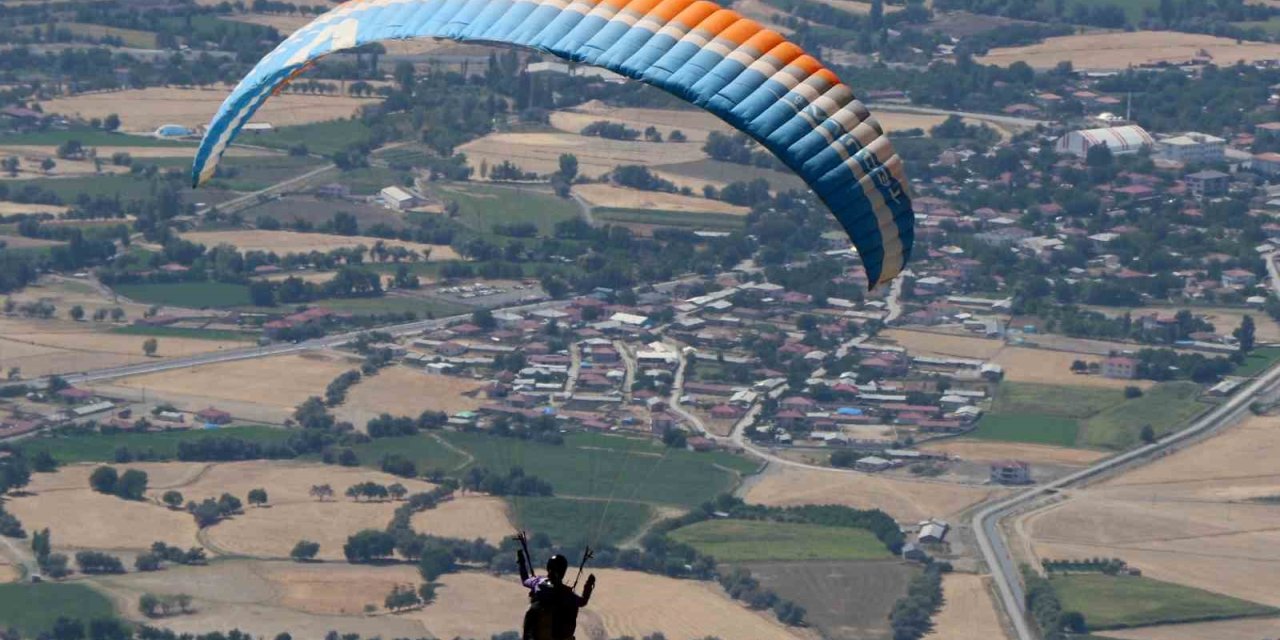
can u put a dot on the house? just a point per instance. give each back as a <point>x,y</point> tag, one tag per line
<point>1120,368</point>
<point>1268,164</point>
<point>74,395</point>
<point>1207,184</point>
<point>725,412</point>
<point>1011,472</point>
<point>211,415</point>
<point>1239,278</point>
<point>396,198</point>
<point>1192,147</point>
<point>1123,140</point>
<point>872,464</point>
<point>932,532</point>
<point>661,422</point>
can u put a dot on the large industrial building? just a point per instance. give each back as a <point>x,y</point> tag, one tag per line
<point>1121,140</point>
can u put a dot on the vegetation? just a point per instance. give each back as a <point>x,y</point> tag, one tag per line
<point>1023,427</point>
<point>70,447</point>
<point>912,615</point>
<point>199,295</point>
<point>746,540</point>
<point>183,332</point>
<point>34,609</point>
<point>576,523</point>
<point>1114,602</point>
<point>1166,407</point>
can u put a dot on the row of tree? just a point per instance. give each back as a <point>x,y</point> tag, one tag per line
<point>131,485</point>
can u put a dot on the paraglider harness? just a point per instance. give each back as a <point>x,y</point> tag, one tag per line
<point>539,619</point>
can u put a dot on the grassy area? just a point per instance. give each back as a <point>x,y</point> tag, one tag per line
<point>480,207</point>
<point>101,447</point>
<point>1258,360</point>
<point>183,332</point>
<point>1166,407</point>
<point>33,608</point>
<point>1113,602</point>
<point>324,138</point>
<point>256,172</point>
<point>199,295</point>
<point>1053,400</point>
<point>660,217</point>
<point>751,540</point>
<point>573,523</point>
<point>1271,26</point>
<point>603,466</point>
<point>93,138</point>
<point>425,451</point>
<point>394,304</point>
<point>726,172</point>
<point>369,180</point>
<point>1027,427</point>
<point>130,37</point>
<point>68,190</point>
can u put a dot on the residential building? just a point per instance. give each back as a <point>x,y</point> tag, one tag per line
<point>1011,472</point>
<point>1120,368</point>
<point>1192,147</point>
<point>1207,184</point>
<point>1268,164</point>
<point>1239,278</point>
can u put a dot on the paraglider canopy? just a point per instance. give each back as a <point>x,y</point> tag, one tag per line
<point>712,57</point>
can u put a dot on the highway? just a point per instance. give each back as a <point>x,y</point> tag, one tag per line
<point>986,521</point>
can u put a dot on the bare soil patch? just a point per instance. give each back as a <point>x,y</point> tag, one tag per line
<point>335,589</point>
<point>1188,518</point>
<point>402,391</point>
<point>605,195</point>
<point>906,501</point>
<point>986,451</point>
<point>1022,364</point>
<point>283,242</point>
<point>1120,50</point>
<point>540,152</point>
<point>8,572</point>
<point>939,344</point>
<point>11,208</point>
<point>23,242</point>
<point>968,612</point>
<point>694,124</point>
<point>86,519</point>
<point>467,517</point>
<point>145,110</point>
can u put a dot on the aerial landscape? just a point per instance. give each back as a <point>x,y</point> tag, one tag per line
<point>778,319</point>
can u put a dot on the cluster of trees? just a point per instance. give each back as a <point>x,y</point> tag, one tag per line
<point>130,485</point>
<point>398,465</point>
<point>373,491</point>
<point>739,149</point>
<point>406,597</point>
<point>336,393</point>
<point>53,565</point>
<point>741,585</point>
<point>1046,609</point>
<point>513,483</point>
<point>640,177</point>
<point>305,551</point>
<point>612,130</point>
<point>164,605</point>
<point>161,553</point>
<point>912,615</point>
<point>209,512</point>
<point>542,428</point>
<point>388,426</point>
<point>96,562</point>
<point>1167,364</point>
<point>1108,566</point>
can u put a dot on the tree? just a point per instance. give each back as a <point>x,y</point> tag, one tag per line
<point>111,122</point>
<point>103,479</point>
<point>1072,621</point>
<point>435,561</point>
<point>40,544</point>
<point>568,167</point>
<point>262,294</point>
<point>483,318</point>
<point>150,346</point>
<point>149,605</point>
<point>1131,392</point>
<point>1244,334</point>
<point>369,545</point>
<point>10,165</point>
<point>132,484</point>
<point>305,550</point>
<point>229,504</point>
<point>148,562</point>
<point>77,313</point>
<point>258,497</point>
<point>321,492</point>
<point>47,165</point>
<point>677,136</point>
<point>206,513</point>
<point>1147,434</point>
<point>397,491</point>
<point>402,597</point>
<point>173,499</point>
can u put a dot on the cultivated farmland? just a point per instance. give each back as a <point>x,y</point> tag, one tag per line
<point>1120,50</point>
<point>827,591</point>
<point>905,500</point>
<point>403,391</point>
<point>968,611</point>
<point>282,242</point>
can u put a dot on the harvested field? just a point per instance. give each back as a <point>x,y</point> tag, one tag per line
<point>8,572</point>
<point>968,612</point>
<point>467,517</point>
<point>938,344</point>
<point>1119,50</point>
<point>85,519</point>
<point>843,600</point>
<point>276,384</point>
<point>1187,518</point>
<point>145,110</point>
<point>906,501</point>
<point>106,151</point>
<point>42,347</point>
<point>160,476</point>
<point>1023,364</point>
<point>402,391</point>
<point>1245,628</point>
<point>540,152</point>
<point>283,242</point>
<point>604,195</point>
<point>272,532</point>
<point>267,598</point>
<point>986,451</point>
<point>23,242</point>
<point>11,208</point>
<point>695,124</point>
<point>286,482</point>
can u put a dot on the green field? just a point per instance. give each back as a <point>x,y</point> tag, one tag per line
<point>726,172</point>
<point>1027,427</point>
<point>182,332</point>
<point>94,138</point>
<point>434,307</point>
<point>426,452</point>
<point>660,217</point>
<point>1166,407</point>
<point>324,138</point>
<point>752,540</point>
<point>1113,602</point>
<point>68,190</point>
<point>368,181</point>
<point>33,608</point>
<point>480,207</point>
<point>1271,26</point>
<point>197,295</point>
<point>253,173</point>
<point>130,37</point>
<point>573,523</point>
<point>603,466</point>
<point>1258,360</point>
<point>101,447</point>
<point>1053,400</point>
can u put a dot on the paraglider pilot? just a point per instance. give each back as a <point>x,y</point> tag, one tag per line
<point>553,605</point>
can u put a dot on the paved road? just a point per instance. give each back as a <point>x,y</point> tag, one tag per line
<point>1013,121</point>
<point>986,521</point>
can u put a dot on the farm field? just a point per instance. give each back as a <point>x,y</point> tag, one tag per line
<point>195,295</point>
<point>264,386</point>
<point>272,532</point>
<point>1042,366</point>
<point>404,391</point>
<point>22,242</point>
<point>540,152</point>
<point>1030,428</point>
<point>1109,602</point>
<point>697,173</point>
<point>938,344</point>
<point>183,332</point>
<point>1239,628</point>
<point>1224,319</point>
<point>428,452</point>
<point>604,195</point>
<point>283,242</point>
<point>1191,518</point>
<point>991,451</point>
<point>42,347</point>
<point>467,517</point>
<point>483,206</point>
<point>1117,51</point>
<point>695,124</point>
<point>1166,407</point>
<point>643,221</point>
<point>572,522</point>
<point>12,208</point>
<point>826,590</point>
<point>968,611</point>
<point>101,447</point>
<point>904,500</point>
<point>150,108</point>
<point>33,608</point>
<point>751,540</point>
<point>318,211</point>
<point>82,518</point>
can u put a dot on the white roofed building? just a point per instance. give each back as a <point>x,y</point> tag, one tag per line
<point>1121,140</point>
